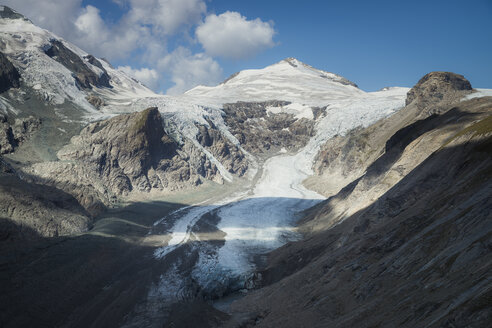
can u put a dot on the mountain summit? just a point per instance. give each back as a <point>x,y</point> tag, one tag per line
<point>289,79</point>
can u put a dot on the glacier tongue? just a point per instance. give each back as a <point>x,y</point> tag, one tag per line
<point>263,219</point>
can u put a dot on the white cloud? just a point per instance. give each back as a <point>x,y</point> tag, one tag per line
<point>189,70</point>
<point>167,16</point>
<point>147,76</point>
<point>231,35</point>
<point>55,15</point>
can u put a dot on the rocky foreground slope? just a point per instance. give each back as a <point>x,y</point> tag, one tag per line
<point>407,241</point>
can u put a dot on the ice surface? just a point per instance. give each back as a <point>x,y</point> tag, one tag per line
<point>479,93</point>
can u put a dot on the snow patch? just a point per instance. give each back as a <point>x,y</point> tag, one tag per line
<point>478,94</point>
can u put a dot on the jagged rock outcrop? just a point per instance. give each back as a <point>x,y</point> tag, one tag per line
<point>261,132</point>
<point>9,76</point>
<point>231,157</point>
<point>95,101</point>
<point>7,140</point>
<point>11,136</point>
<point>130,152</point>
<point>85,77</point>
<point>438,89</point>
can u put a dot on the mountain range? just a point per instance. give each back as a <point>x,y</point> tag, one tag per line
<point>282,197</point>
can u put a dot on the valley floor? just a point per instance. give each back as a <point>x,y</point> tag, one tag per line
<point>90,279</point>
<point>142,258</point>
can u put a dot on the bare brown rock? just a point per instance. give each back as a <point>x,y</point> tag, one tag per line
<point>38,210</point>
<point>262,133</point>
<point>95,101</point>
<point>438,88</point>
<point>126,150</point>
<point>231,157</point>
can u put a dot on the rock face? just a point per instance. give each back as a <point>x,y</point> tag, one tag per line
<point>95,101</point>
<point>227,153</point>
<point>84,76</point>
<point>132,153</point>
<point>129,152</point>
<point>11,136</point>
<point>9,76</point>
<point>438,87</point>
<point>406,241</point>
<point>261,132</point>
<point>342,160</point>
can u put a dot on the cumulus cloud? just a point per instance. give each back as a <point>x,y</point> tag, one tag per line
<point>189,70</point>
<point>231,35</point>
<point>149,77</point>
<point>167,16</point>
<point>111,41</point>
<point>55,15</point>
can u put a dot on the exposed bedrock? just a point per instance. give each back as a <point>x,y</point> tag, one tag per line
<point>437,89</point>
<point>228,154</point>
<point>9,76</point>
<point>12,135</point>
<point>85,77</point>
<point>261,132</point>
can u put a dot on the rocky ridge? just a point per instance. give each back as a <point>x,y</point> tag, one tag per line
<point>85,77</point>
<point>344,159</point>
<point>438,89</point>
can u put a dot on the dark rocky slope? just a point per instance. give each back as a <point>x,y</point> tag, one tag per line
<point>85,77</point>
<point>9,76</point>
<point>29,210</point>
<point>12,135</point>
<point>415,251</point>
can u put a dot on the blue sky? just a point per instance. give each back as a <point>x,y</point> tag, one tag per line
<point>373,43</point>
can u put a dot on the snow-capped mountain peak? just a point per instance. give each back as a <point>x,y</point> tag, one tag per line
<point>289,80</point>
<point>55,69</point>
